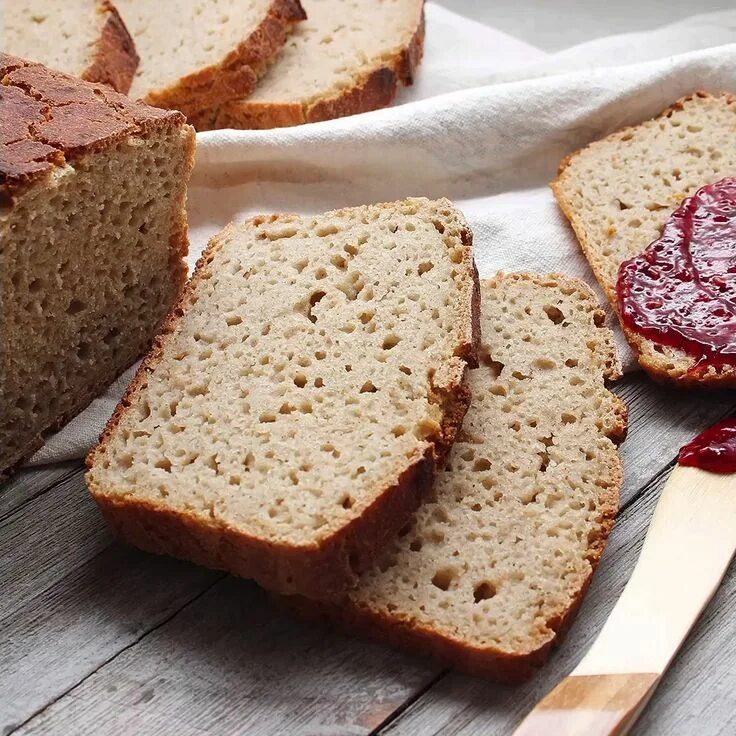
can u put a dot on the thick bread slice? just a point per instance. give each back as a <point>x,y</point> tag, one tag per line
<point>348,57</point>
<point>93,230</point>
<point>84,38</point>
<point>288,421</point>
<point>495,563</point>
<point>198,54</point>
<point>619,192</point>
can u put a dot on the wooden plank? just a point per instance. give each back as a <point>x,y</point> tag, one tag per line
<point>232,662</point>
<point>70,600</point>
<point>698,694</point>
<point>28,483</point>
<point>45,538</point>
<point>76,603</point>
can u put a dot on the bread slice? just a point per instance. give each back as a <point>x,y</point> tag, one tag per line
<point>619,192</point>
<point>200,54</point>
<point>93,231</point>
<point>84,38</point>
<point>288,421</point>
<point>495,563</point>
<point>348,57</point>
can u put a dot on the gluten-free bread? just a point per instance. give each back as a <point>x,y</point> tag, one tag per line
<point>84,38</point>
<point>198,54</point>
<point>289,419</point>
<point>619,192</point>
<point>494,564</point>
<point>92,236</point>
<point>347,57</point>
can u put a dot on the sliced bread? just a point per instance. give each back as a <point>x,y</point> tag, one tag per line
<point>619,192</point>
<point>84,38</point>
<point>93,230</point>
<point>288,421</point>
<point>198,54</point>
<point>346,58</point>
<point>495,563</point>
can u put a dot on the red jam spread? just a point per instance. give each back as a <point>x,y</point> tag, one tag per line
<point>681,291</point>
<point>713,450</point>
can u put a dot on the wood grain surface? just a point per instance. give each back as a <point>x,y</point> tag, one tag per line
<point>99,638</point>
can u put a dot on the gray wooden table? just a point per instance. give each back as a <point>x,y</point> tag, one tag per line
<point>97,638</point>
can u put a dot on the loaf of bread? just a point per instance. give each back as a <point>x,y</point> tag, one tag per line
<point>289,420</point>
<point>346,58</point>
<point>198,54</point>
<point>84,38</point>
<point>619,192</point>
<point>494,564</point>
<point>93,231</point>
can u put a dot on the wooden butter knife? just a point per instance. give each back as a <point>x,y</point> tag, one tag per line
<point>687,550</point>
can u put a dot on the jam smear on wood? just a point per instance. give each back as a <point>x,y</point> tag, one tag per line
<point>713,450</point>
<point>681,291</point>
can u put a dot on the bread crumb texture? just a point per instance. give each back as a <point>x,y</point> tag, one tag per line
<point>314,361</point>
<point>93,231</point>
<point>345,58</point>
<point>492,565</point>
<point>59,35</point>
<point>196,53</point>
<point>619,192</point>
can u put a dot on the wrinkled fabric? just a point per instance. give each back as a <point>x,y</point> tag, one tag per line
<point>486,125</point>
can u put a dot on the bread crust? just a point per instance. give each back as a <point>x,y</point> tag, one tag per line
<point>371,91</point>
<point>237,74</point>
<point>325,567</point>
<point>50,119</point>
<point>684,374</point>
<point>405,632</point>
<point>114,58</point>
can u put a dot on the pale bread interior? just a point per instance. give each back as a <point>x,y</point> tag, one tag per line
<point>60,35</point>
<point>176,38</point>
<point>338,44</point>
<point>306,375</point>
<point>89,275</point>
<point>507,541</point>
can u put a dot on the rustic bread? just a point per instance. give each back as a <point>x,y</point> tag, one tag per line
<point>84,38</point>
<point>619,192</point>
<point>93,230</point>
<point>495,562</point>
<point>346,58</point>
<point>197,54</point>
<point>288,421</point>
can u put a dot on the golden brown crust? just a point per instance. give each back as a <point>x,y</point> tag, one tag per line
<point>237,74</point>
<point>48,119</point>
<point>372,91</point>
<point>680,376</point>
<point>406,632</point>
<point>114,58</point>
<point>322,568</point>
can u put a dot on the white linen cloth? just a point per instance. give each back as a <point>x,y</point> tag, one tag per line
<point>486,125</point>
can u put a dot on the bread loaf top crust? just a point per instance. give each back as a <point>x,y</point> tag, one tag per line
<point>47,119</point>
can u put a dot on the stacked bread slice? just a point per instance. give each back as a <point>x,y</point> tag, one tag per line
<point>493,566</point>
<point>228,63</point>
<point>619,192</point>
<point>291,416</point>
<point>93,229</point>
<point>347,57</point>
<point>84,38</point>
<point>200,54</point>
<point>311,384</point>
